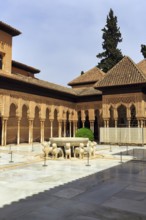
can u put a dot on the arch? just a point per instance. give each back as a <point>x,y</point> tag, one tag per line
<point>47,125</point>
<point>12,125</point>
<point>24,125</point>
<point>133,121</point>
<point>36,124</point>
<point>122,116</point>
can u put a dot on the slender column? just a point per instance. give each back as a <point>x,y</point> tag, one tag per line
<point>60,128</point>
<point>83,123</point>
<point>74,128</point>
<point>92,125</point>
<point>116,123</point>
<point>51,121</point>
<point>42,131</point>
<point>18,132</point>
<point>138,123</point>
<point>107,123</point>
<point>5,132</point>
<point>30,131</point>
<point>64,128</point>
<point>128,123</point>
<point>70,128</point>
<point>142,123</point>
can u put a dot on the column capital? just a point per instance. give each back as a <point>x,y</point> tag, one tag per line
<point>42,119</point>
<point>30,119</point>
<point>5,118</point>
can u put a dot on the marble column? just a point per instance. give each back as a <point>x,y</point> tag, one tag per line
<point>64,128</point>
<point>92,126</point>
<point>105,123</point>
<point>18,131</point>
<point>42,130</point>
<point>6,121</point>
<point>60,128</point>
<point>74,128</point>
<point>142,123</point>
<point>30,131</point>
<point>70,122</point>
<point>51,122</point>
<point>4,132</point>
<point>83,123</point>
<point>116,123</point>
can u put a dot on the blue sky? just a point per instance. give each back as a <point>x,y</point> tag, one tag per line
<point>63,37</point>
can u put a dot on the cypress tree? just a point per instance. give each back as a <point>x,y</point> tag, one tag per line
<point>143,50</point>
<point>111,37</point>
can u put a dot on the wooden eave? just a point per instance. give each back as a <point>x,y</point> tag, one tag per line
<point>25,67</point>
<point>8,29</point>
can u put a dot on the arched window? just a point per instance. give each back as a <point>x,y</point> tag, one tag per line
<point>122,116</point>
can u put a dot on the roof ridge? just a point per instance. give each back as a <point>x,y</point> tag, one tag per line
<point>96,75</point>
<point>132,73</point>
<point>137,68</point>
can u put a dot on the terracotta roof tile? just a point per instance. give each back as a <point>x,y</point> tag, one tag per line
<point>126,72</point>
<point>87,91</point>
<point>91,76</point>
<point>25,67</point>
<point>142,66</point>
<point>40,83</point>
<point>34,81</point>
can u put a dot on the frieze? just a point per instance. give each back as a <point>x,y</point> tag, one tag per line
<point>40,100</point>
<point>119,99</point>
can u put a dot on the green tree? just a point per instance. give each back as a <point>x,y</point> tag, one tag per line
<point>111,37</point>
<point>143,50</point>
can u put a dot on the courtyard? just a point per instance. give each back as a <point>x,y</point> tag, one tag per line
<point>71,189</point>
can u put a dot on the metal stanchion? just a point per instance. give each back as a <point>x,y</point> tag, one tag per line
<point>88,164</point>
<point>11,157</point>
<point>45,165</point>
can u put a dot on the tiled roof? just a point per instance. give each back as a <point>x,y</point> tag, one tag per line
<point>25,67</point>
<point>142,66</point>
<point>126,72</point>
<point>52,86</point>
<point>87,91</point>
<point>40,83</point>
<point>91,76</point>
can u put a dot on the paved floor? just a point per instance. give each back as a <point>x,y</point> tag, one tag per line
<point>68,189</point>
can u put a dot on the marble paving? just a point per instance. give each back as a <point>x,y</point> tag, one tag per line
<point>71,190</point>
<point>26,175</point>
